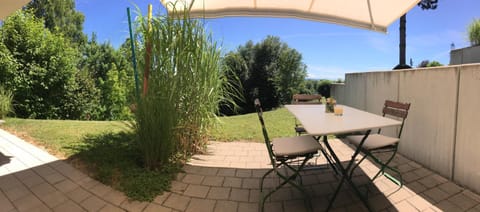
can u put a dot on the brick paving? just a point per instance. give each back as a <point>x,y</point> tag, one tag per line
<point>226,178</point>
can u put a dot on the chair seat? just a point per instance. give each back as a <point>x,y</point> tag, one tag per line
<point>295,146</point>
<point>374,141</point>
<point>300,129</point>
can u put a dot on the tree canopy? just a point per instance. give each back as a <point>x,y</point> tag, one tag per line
<point>269,70</point>
<point>38,66</point>
<point>60,16</point>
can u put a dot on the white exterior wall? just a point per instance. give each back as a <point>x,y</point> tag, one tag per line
<point>442,130</point>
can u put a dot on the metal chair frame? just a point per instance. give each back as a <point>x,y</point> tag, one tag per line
<point>278,161</point>
<point>395,109</point>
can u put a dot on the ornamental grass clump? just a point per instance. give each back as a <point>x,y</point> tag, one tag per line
<point>6,98</point>
<point>185,86</point>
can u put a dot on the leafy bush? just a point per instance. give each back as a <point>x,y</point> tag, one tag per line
<point>474,32</point>
<point>41,67</point>
<point>6,98</point>
<point>113,160</point>
<point>185,87</point>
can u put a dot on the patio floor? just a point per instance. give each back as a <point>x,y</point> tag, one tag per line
<point>226,178</point>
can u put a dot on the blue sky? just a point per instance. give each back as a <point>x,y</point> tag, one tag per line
<point>328,50</point>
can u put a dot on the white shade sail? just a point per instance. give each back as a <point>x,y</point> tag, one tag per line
<point>7,7</point>
<point>374,15</point>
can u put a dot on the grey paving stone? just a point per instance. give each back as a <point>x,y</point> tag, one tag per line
<point>399,196</point>
<point>24,174</point>
<point>93,203</point>
<point>226,172</point>
<point>243,173</point>
<point>28,202</point>
<point>273,206</point>
<point>208,171</point>
<point>161,198</point>
<point>79,194</point>
<point>447,206</point>
<point>177,202</point>
<point>53,199</point>
<point>193,179</point>
<point>419,202</point>
<point>100,189</point>
<point>44,170</point>
<point>5,203</point>
<point>43,189</point>
<point>54,178</point>
<point>254,195</point>
<point>17,192</point>
<point>213,181</point>
<point>239,194</point>
<point>66,186</point>
<point>8,181</point>
<point>152,207</point>
<point>68,206</point>
<point>463,201</point>
<point>220,193</point>
<point>251,183</point>
<point>33,180</point>
<point>178,187</point>
<point>197,191</point>
<point>134,205</point>
<point>295,205</point>
<point>247,207</point>
<point>223,206</point>
<point>114,197</point>
<point>200,205</point>
<point>436,194</point>
<point>233,182</point>
<point>111,208</point>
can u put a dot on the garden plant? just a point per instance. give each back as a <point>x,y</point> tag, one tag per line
<point>185,86</point>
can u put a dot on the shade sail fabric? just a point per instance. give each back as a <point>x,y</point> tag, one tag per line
<point>7,7</point>
<point>374,15</point>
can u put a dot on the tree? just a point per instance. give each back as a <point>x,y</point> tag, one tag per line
<point>474,32</point>
<point>109,70</point>
<point>40,67</point>
<point>269,70</point>
<point>61,17</point>
<point>425,5</point>
<point>427,63</point>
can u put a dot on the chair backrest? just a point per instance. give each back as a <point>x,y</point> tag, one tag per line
<point>268,143</point>
<point>307,99</point>
<point>396,109</point>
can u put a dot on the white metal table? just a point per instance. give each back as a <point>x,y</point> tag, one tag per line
<point>320,124</point>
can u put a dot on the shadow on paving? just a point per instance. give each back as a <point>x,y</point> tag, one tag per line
<point>227,178</point>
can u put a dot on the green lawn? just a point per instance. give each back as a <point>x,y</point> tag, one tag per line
<point>58,136</point>
<point>279,123</point>
<point>105,148</point>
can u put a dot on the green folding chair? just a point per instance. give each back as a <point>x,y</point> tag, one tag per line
<point>303,99</point>
<point>377,143</point>
<point>281,152</point>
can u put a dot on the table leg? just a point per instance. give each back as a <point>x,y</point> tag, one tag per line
<point>327,156</point>
<point>344,171</point>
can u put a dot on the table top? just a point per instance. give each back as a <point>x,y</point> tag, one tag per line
<point>317,122</point>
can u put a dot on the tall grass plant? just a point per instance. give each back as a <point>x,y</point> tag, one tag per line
<point>6,99</point>
<point>185,87</point>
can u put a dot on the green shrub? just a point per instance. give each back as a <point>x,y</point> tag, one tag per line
<point>185,87</point>
<point>6,98</point>
<point>474,32</point>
